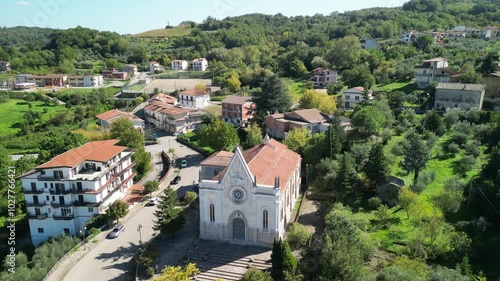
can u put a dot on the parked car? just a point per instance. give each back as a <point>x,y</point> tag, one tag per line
<point>176,180</point>
<point>116,231</point>
<point>184,164</point>
<point>153,201</point>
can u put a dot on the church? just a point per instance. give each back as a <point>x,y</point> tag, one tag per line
<point>247,197</point>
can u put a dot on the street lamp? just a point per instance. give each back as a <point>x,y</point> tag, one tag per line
<point>139,227</point>
<point>83,229</point>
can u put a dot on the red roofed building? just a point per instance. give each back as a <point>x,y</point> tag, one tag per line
<point>247,197</point>
<point>238,109</point>
<point>64,193</point>
<point>196,99</point>
<point>322,76</point>
<point>105,119</point>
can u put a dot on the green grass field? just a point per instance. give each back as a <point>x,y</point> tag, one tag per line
<point>406,87</point>
<point>297,87</point>
<point>12,111</point>
<point>136,87</point>
<point>171,32</point>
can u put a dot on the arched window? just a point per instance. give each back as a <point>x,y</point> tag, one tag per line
<point>265,219</point>
<point>212,213</point>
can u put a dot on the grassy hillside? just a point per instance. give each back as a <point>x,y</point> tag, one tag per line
<point>171,32</point>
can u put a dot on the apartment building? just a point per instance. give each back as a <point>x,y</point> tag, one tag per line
<point>322,76</point>
<point>238,110</point>
<point>435,69</point>
<point>200,64</point>
<point>64,193</point>
<point>179,65</point>
<point>353,96</point>
<point>196,99</point>
<point>458,95</point>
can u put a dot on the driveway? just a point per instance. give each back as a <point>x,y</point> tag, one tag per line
<point>111,259</point>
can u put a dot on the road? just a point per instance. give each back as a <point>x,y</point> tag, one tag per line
<point>111,259</point>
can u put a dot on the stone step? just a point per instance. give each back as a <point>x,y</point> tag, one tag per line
<point>214,274</point>
<point>228,258</point>
<point>200,260</point>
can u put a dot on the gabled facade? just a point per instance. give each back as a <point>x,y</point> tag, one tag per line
<point>131,69</point>
<point>323,76</point>
<point>62,194</point>
<point>278,125</point>
<point>105,119</point>
<point>492,94</point>
<point>200,64</point>
<point>238,110</point>
<point>458,95</point>
<point>196,99</point>
<point>251,200</point>
<point>155,67</point>
<point>435,69</point>
<point>353,96</point>
<point>173,119</point>
<point>179,65</point>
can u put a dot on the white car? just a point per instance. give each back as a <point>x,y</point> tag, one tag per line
<point>184,164</point>
<point>153,201</point>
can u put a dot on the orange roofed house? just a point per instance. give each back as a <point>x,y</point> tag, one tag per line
<point>105,119</point>
<point>64,193</point>
<point>247,197</point>
<point>238,110</point>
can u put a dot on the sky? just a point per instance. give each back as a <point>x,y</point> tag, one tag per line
<point>135,16</point>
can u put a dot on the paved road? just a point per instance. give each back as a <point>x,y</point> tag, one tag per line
<point>110,260</point>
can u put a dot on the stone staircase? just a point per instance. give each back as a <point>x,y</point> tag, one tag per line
<point>221,266</point>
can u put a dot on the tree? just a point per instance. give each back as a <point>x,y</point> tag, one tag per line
<point>218,135</point>
<point>334,88</point>
<point>319,100</point>
<point>468,75</point>
<point>347,177</point>
<point>434,123</point>
<point>346,52</point>
<point>407,199</point>
<point>176,273</point>
<point>296,139</point>
<point>253,274</point>
<point>190,197</point>
<point>424,42</point>
<point>254,135</point>
<point>318,61</point>
<point>151,186</point>
<point>117,210</point>
<point>358,75</point>
<point>488,64</point>
<point>369,120</point>
<point>168,218</point>
<point>273,96</point>
<point>298,235</point>
<point>233,82</point>
<point>282,260</point>
<point>416,154</point>
<point>452,198</point>
<point>377,168</point>
<point>335,137</point>
<point>123,130</point>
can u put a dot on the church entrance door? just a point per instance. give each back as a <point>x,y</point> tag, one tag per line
<point>238,229</point>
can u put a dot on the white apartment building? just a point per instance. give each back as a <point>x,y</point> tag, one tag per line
<point>196,99</point>
<point>85,81</point>
<point>155,66</point>
<point>200,64</point>
<point>435,69</point>
<point>179,65</point>
<point>353,96</point>
<point>62,194</point>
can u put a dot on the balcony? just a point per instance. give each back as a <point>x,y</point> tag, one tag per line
<point>61,217</point>
<point>84,204</point>
<point>38,217</point>
<point>38,204</point>
<point>49,178</point>
<point>59,205</point>
<point>31,191</point>
<point>54,191</point>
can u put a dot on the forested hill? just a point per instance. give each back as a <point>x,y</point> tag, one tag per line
<point>21,35</point>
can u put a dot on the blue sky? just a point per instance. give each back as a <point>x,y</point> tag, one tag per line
<point>134,16</point>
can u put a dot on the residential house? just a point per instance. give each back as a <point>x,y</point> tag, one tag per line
<point>113,74</point>
<point>492,94</point>
<point>238,110</point>
<point>179,65</point>
<point>200,64</point>
<point>250,202</point>
<point>435,69</point>
<point>321,77</point>
<point>61,195</point>
<point>458,95</point>
<point>105,119</point>
<point>164,98</point>
<point>490,32</point>
<point>51,80</point>
<point>196,99</point>
<point>368,43</point>
<point>409,36</point>
<point>85,81</point>
<point>389,191</point>
<point>279,124</point>
<point>171,118</point>
<point>4,65</point>
<point>155,67</point>
<point>353,96</point>
<point>131,69</point>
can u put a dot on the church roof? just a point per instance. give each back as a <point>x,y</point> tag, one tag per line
<point>221,159</point>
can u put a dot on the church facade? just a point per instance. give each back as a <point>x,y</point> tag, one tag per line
<point>247,197</point>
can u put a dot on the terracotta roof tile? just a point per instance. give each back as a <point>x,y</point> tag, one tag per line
<point>114,113</point>
<point>194,92</point>
<point>221,159</point>
<point>312,115</point>
<point>240,100</point>
<point>100,151</point>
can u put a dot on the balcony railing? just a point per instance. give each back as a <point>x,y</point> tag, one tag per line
<point>84,204</point>
<point>60,217</point>
<point>31,191</point>
<point>59,205</point>
<point>48,178</point>
<point>39,204</point>
<point>54,191</point>
<point>38,217</point>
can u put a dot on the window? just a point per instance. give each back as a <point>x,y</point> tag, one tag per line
<point>58,174</point>
<point>47,197</point>
<point>40,230</point>
<point>212,213</point>
<point>347,97</point>
<point>91,210</point>
<point>45,185</point>
<point>356,97</point>
<point>49,210</point>
<point>66,230</point>
<point>42,172</point>
<point>265,219</point>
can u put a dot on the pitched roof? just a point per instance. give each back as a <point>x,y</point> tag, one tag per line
<point>114,113</point>
<point>241,100</point>
<point>221,159</point>
<point>100,151</point>
<point>460,87</point>
<point>194,92</point>
<point>435,59</point>
<point>359,89</point>
<point>199,59</point>
<point>164,98</point>
<point>312,115</point>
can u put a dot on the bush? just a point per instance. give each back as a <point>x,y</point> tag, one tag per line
<point>298,235</point>
<point>452,148</point>
<point>418,187</point>
<point>472,148</point>
<point>150,272</point>
<point>466,164</point>
<point>190,197</point>
<point>374,203</point>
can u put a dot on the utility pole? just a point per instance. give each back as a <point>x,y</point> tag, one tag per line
<point>139,227</point>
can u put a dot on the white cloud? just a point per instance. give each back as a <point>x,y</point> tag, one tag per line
<point>23,3</point>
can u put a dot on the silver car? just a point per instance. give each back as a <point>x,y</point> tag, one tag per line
<point>116,231</point>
